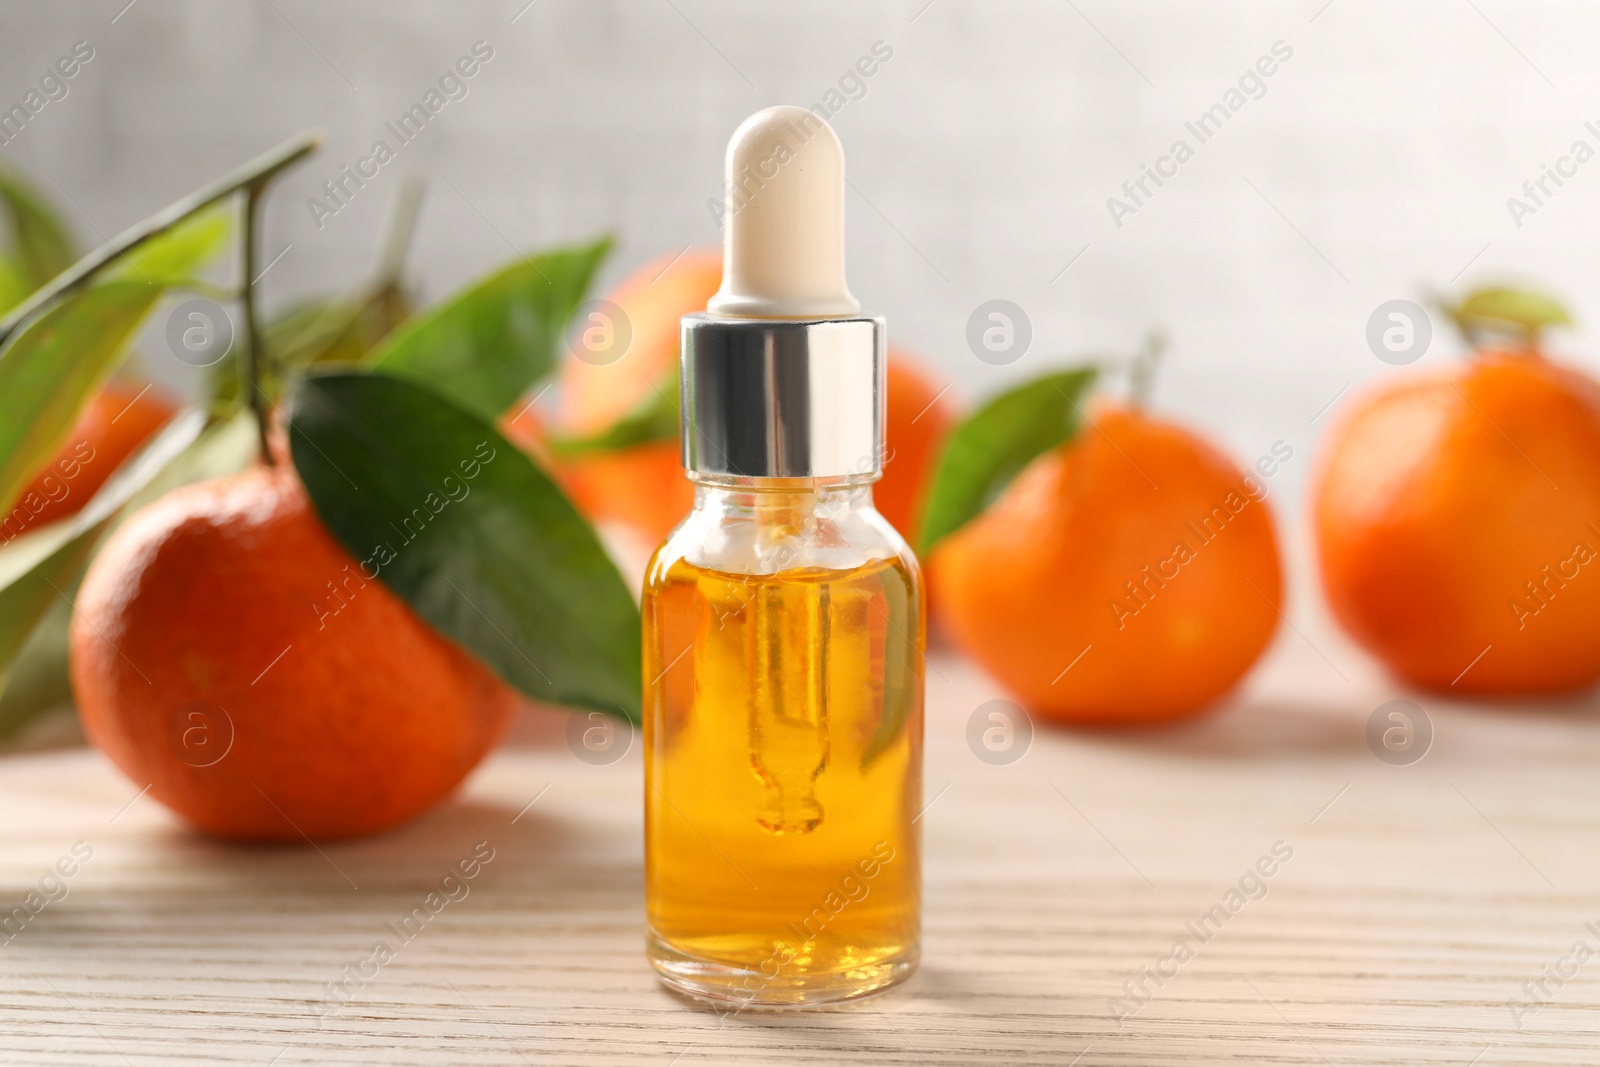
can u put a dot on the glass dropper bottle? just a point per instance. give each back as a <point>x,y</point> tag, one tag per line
<point>783,621</point>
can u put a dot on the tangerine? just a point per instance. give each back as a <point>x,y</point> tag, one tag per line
<point>111,428</point>
<point>229,653</point>
<point>916,422</point>
<point>1457,515</point>
<point>1130,575</point>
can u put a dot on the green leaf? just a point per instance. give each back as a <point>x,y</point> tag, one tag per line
<point>486,345</point>
<point>38,680</point>
<point>13,285</point>
<point>51,367</point>
<point>26,596</point>
<point>471,533</point>
<point>41,567</point>
<point>1503,309</point>
<point>991,447</point>
<point>655,418</point>
<point>28,564</point>
<point>42,243</point>
<point>224,447</point>
<point>174,257</point>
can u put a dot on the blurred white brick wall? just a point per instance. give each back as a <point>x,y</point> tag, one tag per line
<point>983,154</point>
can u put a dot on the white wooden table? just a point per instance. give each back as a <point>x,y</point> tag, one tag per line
<point>1418,901</point>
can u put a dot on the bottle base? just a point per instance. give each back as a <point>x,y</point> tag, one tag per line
<point>726,985</point>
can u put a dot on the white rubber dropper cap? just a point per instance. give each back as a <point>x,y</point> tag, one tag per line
<point>783,246</point>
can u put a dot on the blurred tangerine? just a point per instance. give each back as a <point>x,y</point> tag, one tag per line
<point>1130,575</point>
<point>1457,516</point>
<point>119,419</point>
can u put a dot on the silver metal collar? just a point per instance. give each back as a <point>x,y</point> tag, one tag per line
<point>768,398</point>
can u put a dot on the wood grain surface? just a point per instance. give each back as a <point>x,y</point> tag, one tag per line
<point>1417,902</point>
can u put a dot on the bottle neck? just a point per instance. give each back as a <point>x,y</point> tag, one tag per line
<point>779,500</point>
<point>769,525</point>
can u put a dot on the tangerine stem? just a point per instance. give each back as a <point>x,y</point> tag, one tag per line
<point>1142,370</point>
<point>256,172</point>
<point>397,242</point>
<point>255,354</point>
<point>1504,317</point>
